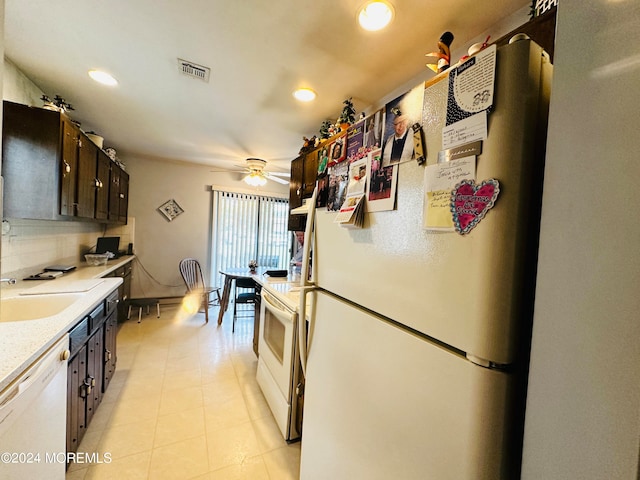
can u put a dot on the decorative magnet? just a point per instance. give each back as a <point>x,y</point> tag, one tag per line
<point>471,202</point>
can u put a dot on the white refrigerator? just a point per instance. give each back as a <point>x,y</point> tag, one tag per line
<point>417,342</point>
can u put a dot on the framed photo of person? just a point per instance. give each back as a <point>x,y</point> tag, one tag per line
<point>338,149</point>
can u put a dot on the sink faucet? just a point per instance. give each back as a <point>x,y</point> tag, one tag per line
<point>10,281</point>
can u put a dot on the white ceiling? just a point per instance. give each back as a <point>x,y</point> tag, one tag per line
<point>259,51</point>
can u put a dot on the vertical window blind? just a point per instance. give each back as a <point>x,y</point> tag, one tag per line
<point>248,227</point>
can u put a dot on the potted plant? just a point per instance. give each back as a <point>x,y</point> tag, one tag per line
<point>348,115</point>
<point>324,130</point>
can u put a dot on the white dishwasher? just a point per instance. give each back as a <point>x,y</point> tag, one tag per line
<point>33,412</point>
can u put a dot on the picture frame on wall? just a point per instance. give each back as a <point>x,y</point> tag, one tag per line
<point>170,210</point>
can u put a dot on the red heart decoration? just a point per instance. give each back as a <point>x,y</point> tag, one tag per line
<point>470,203</point>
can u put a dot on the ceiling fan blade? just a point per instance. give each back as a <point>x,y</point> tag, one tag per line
<point>280,174</point>
<point>279,180</point>
<point>233,170</point>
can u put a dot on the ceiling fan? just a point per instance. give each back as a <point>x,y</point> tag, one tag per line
<point>256,176</point>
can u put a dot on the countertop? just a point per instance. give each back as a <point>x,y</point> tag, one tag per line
<point>288,292</point>
<point>285,289</point>
<point>23,342</point>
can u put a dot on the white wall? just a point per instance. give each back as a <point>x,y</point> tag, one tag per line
<point>583,405</point>
<point>18,88</point>
<point>160,245</point>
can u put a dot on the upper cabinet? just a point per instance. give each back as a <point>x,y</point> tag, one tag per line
<point>304,171</point>
<point>118,195</point>
<point>53,171</point>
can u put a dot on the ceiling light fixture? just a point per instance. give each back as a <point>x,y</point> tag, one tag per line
<point>375,15</point>
<point>255,179</point>
<point>304,95</point>
<point>103,78</point>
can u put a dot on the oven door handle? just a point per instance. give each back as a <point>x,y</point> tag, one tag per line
<point>283,314</point>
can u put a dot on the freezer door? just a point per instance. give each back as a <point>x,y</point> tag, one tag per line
<point>464,290</point>
<point>382,403</point>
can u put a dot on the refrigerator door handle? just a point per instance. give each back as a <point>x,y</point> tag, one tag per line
<point>302,327</point>
<point>308,231</point>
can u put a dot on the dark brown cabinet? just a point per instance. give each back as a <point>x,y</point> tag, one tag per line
<point>102,186</point>
<point>124,290</point>
<point>92,343</point>
<point>256,318</point>
<point>87,182</point>
<point>53,171</point>
<point>118,195</point>
<point>110,331</point>
<point>69,166</point>
<point>31,162</point>
<point>304,171</point>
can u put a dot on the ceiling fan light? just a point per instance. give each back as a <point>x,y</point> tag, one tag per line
<point>255,179</point>
<point>375,15</point>
<point>103,77</point>
<point>304,95</point>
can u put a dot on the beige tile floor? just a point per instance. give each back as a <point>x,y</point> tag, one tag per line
<point>184,404</point>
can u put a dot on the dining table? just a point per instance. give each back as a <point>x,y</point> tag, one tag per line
<point>230,275</point>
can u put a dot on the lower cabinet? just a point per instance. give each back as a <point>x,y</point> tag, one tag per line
<point>256,318</point>
<point>124,290</point>
<point>92,343</point>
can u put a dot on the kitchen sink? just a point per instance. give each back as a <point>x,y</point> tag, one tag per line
<point>34,307</point>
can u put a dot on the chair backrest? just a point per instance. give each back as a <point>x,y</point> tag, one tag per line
<point>245,283</point>
<point>192,274</point>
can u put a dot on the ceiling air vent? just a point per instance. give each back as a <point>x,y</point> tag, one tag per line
<point>194,70</point>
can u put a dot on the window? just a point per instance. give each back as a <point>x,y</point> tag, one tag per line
<point>248,227</point>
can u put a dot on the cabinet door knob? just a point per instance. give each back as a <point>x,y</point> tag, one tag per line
<point>67,167</point>
<point>97,183</point>
<point>65,355</point>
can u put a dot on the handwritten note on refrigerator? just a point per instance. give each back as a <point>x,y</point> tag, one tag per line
<point>439,180</point>
<point>468,130</point>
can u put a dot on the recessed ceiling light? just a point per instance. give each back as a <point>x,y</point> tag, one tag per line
<point>304,94</point>
<point>375,15</point>
<point>103,77</point>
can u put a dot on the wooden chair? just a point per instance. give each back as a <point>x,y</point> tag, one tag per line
<point>247,296</point>
<point>193,279</point>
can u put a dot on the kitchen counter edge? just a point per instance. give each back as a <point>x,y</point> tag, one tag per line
<point>23,342</point>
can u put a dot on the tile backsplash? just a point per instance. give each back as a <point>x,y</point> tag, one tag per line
<point>30,245</point>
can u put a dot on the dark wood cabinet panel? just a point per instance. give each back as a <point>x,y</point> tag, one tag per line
<point>102,187</point>
<point>541,29</point>
<point>87,178</point>
<point>76,399</point>
<point>304,173</point>
<point>256,319</point>
<point>110,331</point>
<point>91,367</point>
<point>123,197</point>
<point>296,222</point>
<point>310,174</point>
<point>118,195</point>
<point>95,352</point>
<point>69,166</point>
<point>30,162</point>
<point>124,290</point>
<point>52,171</point>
